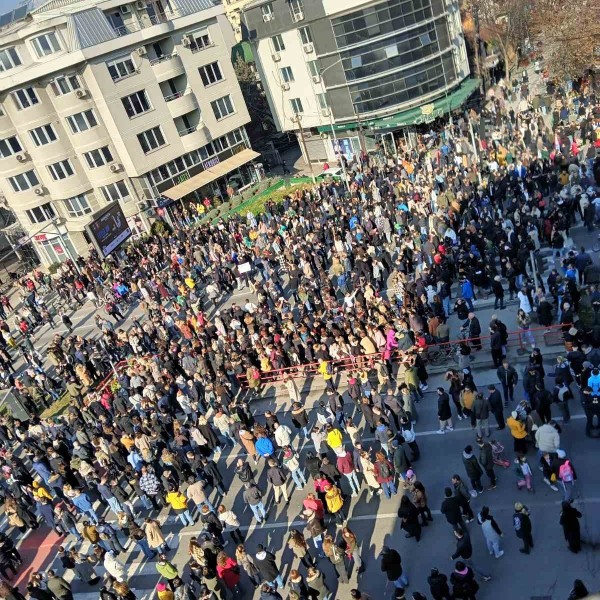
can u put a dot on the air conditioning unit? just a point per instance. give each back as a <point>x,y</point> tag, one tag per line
<point>142,51</point>
<point>124,9</point>
<point>276,56</point>
<point>140,5</point>
<point>308,48</point>
<point>81,93</point>
<point>116,167</point>
<point>142,205</point>
<point>316,79</point>
<point>21,156</point>
<point>268,17</point>
<point>285,86</point>
<point>324,136</point>
<point>39,191</point>
<point>325,112</point>
<point>298,16</point>
<point>186,41</point>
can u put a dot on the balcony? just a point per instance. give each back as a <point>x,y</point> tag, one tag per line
<point>167,66</point>
<point>181,103</point>
<point>193,137</point>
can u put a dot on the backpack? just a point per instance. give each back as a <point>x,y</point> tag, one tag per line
<point>384,470</point>
<point>565,472</point>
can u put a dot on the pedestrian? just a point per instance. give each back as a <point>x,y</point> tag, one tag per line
<point>113,567</point>
<point>391,565</point>
<point>335,554</point>
<point>526,479</point>
<point>352,549</point>
<point>491,532</point>
<point>486,460</point>
<point>463,496</point>
<point>518,433</point>
<point>438,585</point>
<point>179,504</point>
<point>481,410</point>
<point>451,509</point>
<point>494,400</point>
<point>464,586</point>
<point>409,515</point>
<point>444,412</point>
<point>578,591</point>
<point>419,498</point>
<point>229,571</point>
<point>231,524</point>
<point>277,477</point>
<point>569,516</point>
<point>267,567</point>
<point>566,474</point>
<point>473,469</point>
<point>345,465</point>
<point>253,498</point>
<point>297,544</point>
<point>508,378</point>
<point>290,461</point>
<point>166,569</point>
<point>335,504</point>
<point>522,526</point>
<point>59,586</point>
<point>317,587</point>
<point>246,562</point>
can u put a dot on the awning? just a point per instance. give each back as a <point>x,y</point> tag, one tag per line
<point>201,179</point>
<point>415,116</point>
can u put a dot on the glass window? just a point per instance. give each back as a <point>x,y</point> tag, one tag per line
<point>210,73</point>
<point>121,67</point>
<point>61,169</point>
<point>305,35</point>
<point>151,139</point>
<point>322,100</point>
<point>296,105</point>
<point>313,67</point>
<point>286,74</point>
<point>99,157</point>
<point>42,213</point>
<point>43,135</point>
<point>278,45</point>
<point>24,181</point>
<point>78,206</point>
<point>65,84</point>
<point>200,40</point>
<point>45,44</point>
<point>136,104</point>
<point>25,98</point>
<point>222,107</point>
<point>267,11</point>
<point>9,58</point>
<point>113,192</point>
<point>82,121</point>
<point>296,9</point>
<point>10,146</point>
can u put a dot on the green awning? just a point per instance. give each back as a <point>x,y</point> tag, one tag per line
<point>425,113</point>
<point>242,50</point>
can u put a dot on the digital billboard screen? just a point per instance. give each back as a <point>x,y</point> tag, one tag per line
<point>109,229</point>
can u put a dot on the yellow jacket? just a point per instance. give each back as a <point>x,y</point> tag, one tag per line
<point>333,497</point>
<point>177,500</point>
<point>517,429</point>
<point>334,438</point>
<point>41,492</point>
<point>323,370</point>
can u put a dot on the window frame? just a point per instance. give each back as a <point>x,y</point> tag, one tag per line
<point>26,174</point>
<point>68,81</point>
<point>309,39</point>
<point>199,35</point>
<point>29,94</point>
<point>286,74</point>
<point>121,60</point>
<point>141,96</point>
<point>215,103</point>
<point>294,108</point>
<point>13,145</point>
<point>35,138</point>
<point>62,169</point>
<point>117,186</point>
<point>145,136</point>
<point>85,115</point>
<point>277,40</point>
<point>102,153</point>
<point>75,211</point>
<point>203,71</point>
<point>54,47</point>
<point>6,52</point>
<point>47,213</point>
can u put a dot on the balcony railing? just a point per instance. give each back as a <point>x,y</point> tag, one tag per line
<point>174,96</point>
<point>160,59</point>
<point>187,131</point>
<point>140,24</point>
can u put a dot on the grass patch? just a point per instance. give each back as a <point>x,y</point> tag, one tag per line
<point>57,407</point>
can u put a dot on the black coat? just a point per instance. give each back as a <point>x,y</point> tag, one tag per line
<point>495,402</point>
<point>451,509</point>
<point>391,564</point>
<point>438,586</point>
<point>472,467</point>
<point>444,412</point>
<point>267,566</point>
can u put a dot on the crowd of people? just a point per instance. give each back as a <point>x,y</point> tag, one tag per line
<point>365,274</point>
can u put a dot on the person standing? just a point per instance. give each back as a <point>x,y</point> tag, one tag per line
<point>253,498</point>
<point>494,400</point>
<point>444,412</point>
<point>481,411</point>
<point>409,515</point>
<point>491,532</point>
<point>569,516</point>
<point>486,460</point>
<point>335,504</point>
<point>59,586</point>
<point>464,586</point>
<point>391,565</point>
<point>277,477</point>
<point>508,378</point>
<point>352,548</point>
<point>474,471</point>
<point>518,432</point>
<point>463,496</point>
<point>522,526</point>
<point>464,550</point>
<point>267,567</point>
<point>384,473</point>
<point>345,465</point>
<point>451,509</point>
<point>438,585</point>
<point>420,501</point>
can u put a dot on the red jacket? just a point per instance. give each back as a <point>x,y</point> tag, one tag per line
<point>228,573</point>
<point>315,505</point>
<point>345,464</point>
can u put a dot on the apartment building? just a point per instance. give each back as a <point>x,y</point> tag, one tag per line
<point>233,10</point>
<point>349,72</point>
<point>107,101</point>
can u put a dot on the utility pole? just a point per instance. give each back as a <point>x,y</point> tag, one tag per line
<point>361,137</point>
<point>298,119</point>
<point>475,148</point>
<point>477,57</point>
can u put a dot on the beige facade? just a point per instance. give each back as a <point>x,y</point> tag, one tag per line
<point>112,101</point>
<point>233,10</point>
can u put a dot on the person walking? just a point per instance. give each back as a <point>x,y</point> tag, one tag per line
<point>463,496</point>
<point>315,580</point>
<point>522,526</point>
<point>464,550</point>
<point>451,509</point>
<point>297,544</point>
<point>518,433</point>
<point>438,585</point>
<point>352,549</point>
<point>231,524</point>
<point>391,565</point>
<point>335,554</point>
<point>178,503</point>
<point>494,400</point>
<point>481,411</point>
<point>59,586</point>
<point>267,567</point>
<point>277,477</point>
<point>491,532</point>
<point>464,586</point>
<point>409,515</point>
<point>420,501</point>
<point>384,473</point>
<point>569,516</point>
<point>473,469</point>
<point>335,504</point>
<point>345,465</point>
<point>246,561</point>
<point>444,412</point>
<point>486,460</point>
<point>253,498</point>
<point>291,462</point>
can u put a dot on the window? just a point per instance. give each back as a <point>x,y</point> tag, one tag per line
<point>296,105</point>
<point>42,213</point>
<point>297,10</point>
<point>10,146</point>
<point>99,157</point>
<point>25,98</point>
<point>43,135</point>
<point>78,206</point>
<point>151,139</point>
<point>61,169</point>
<point>64,85</point>
<point>9,58</point>
<point>322,100</point>
<point>210,73</point>
<point>24,181</point>
<point>136,104</point>
<point>278,44</point>
<point>305,35</point>
<point>222,107</point>
<point>200,40</point>
<point>45,44</point>
<point>286,74</point>
<point>82,121</point>
<point>267,11</point>
<point>121,67</point>
<point>313,67</point>
<point>113,192</point>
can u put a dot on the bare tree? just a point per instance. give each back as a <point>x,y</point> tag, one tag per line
<point>568,33</point>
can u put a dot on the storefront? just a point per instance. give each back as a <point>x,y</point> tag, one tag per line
<point>53,248</point>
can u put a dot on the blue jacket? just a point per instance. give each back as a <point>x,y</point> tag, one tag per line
<point>467,289</point>
<point>594,383</point>
<point>82,502</point>
<point>264,446</point>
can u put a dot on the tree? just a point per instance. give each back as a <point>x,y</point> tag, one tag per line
<point>256,101</point>
<point>568,34</point>
<point>504,24</point>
